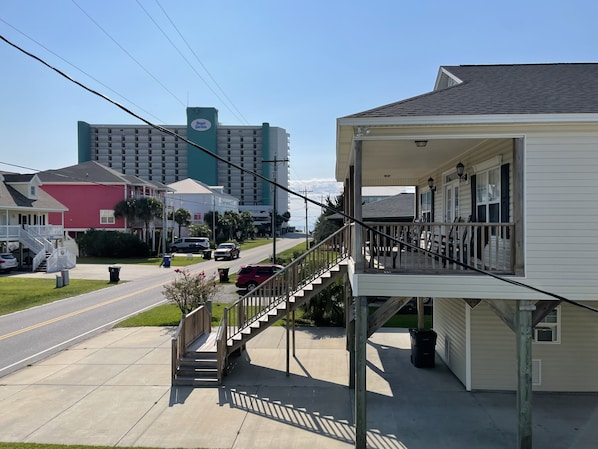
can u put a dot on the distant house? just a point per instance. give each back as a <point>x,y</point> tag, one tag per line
<point>394,209</point>
<point>25,227</point>
<point>91,190</point>
<point>503,159</point>
<point>199,199</point>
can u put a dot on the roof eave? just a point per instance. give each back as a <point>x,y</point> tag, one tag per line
<point>467,119</point>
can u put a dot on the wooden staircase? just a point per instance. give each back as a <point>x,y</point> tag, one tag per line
<point>198,368</point>
<point>43,265</point>
<point>281,308</point>
<point>200,357</point>
<point>290,288</point>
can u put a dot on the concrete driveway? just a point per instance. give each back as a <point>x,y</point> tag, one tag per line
<point>114,390</point>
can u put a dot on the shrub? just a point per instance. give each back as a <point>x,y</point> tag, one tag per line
<point>116,244</point>
<point>327,308</point>
<point>189,291</point>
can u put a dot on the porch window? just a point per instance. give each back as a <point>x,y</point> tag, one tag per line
<point>106,216</point>
<point>548,330</point>
<point>488,196</point>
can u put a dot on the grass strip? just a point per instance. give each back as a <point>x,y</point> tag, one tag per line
<point>23,293</point>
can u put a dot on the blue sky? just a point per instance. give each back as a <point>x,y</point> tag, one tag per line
<point>296,65</point>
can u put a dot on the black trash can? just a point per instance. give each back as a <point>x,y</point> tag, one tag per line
<point>423,347</point>
<point>223,274</point>
<point>207,255</point>
<point>114,271</point>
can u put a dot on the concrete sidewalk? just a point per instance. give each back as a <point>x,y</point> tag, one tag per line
<point>114,390</point>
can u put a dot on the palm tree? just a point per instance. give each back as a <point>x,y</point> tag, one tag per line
<point>182,217</point>
<point>126,209</point>
<point>246,226</point>
<point>229,222</point>
<point>146,209</point>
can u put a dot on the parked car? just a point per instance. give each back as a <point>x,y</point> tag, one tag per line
<point>250,276</point>
<point>228,250</point>
<point>190,245</point>
<point>8,262</point>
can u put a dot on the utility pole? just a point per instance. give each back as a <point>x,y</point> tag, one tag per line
<point>214,217</point>
<point>275,161</point>
<point>306,225</point>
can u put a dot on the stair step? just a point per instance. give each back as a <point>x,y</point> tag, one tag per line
<point>195,381</point>
<point>197,372</point>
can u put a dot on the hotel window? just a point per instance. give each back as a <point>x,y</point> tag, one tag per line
<point>548,330</point>
<point>106,216</point>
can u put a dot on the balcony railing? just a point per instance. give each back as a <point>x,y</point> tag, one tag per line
<point>12,232</point>
<point>439,247</point>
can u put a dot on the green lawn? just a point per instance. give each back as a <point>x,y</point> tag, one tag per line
<point>170,315</point>
<point>23,293</point>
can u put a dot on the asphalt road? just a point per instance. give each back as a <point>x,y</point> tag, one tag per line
<point>34,334</point>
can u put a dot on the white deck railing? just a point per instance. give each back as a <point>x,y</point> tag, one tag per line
<point>439,247</point>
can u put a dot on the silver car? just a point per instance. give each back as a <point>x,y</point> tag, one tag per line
<point>8,262</point>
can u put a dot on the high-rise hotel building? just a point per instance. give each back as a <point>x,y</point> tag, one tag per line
<point>151,155</point>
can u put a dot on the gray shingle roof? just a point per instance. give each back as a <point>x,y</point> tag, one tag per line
<point>504,89</point>
<point>394,208</point>
<point>94,172</point>
<point>90,171</point>
<point>10,198</point>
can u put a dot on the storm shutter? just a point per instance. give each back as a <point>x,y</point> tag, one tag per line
<point>472,187</point>
<point>504,193</point>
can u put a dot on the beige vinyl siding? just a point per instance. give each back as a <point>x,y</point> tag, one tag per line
<point>571,365</point>
<point>489,150</point>
<point>493,363</point>
<point>561,213</point>
<point>449,314</point>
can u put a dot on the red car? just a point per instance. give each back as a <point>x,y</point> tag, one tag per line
<point>250,276</point>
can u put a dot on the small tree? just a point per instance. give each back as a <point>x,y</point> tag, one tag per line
<point>199,230</point>
<point>189,291</point>
<point>182,217</point>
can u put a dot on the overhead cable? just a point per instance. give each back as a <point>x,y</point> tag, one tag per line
<point>286,189</point>
<point>129,55</point>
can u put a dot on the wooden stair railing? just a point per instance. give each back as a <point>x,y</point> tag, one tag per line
<point>290,287</point>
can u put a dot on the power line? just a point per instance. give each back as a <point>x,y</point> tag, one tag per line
<point>202,64</point>
<point>80,70</point>
<point>129,54</point>
<point>286,189</point>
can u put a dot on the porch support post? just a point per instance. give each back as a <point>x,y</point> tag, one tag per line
<point>361,328</point>
<point>361,311</point>
<point>420,313</point>
<point>350,326</point>
<point>523,320</point>
<point>518,195</point>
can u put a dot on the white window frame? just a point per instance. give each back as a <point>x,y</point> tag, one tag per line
<point>426,206</point>
<point>107,216</point>
<point>551,322</point>
<point>484,190</point>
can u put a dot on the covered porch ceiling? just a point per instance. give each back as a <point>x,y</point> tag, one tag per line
<point>391,156</point>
